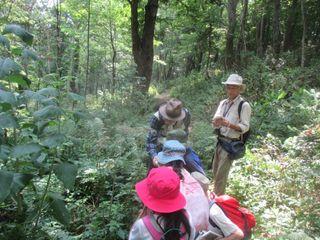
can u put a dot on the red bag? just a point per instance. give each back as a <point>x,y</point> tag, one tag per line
<point>240,216</point>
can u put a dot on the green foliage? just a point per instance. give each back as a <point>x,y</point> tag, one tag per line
<point>32,147</point>
<point>67,173</point>
<point>58,208</point>
<point>20,32</point>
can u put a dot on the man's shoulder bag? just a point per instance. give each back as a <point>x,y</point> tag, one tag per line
<point>236,149</point>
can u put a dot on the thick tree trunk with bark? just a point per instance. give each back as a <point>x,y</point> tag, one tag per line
<point>142,46</point>
<point>276,28</point>
<point>303,33</point>
<point>291,23</point>
<point>88,50</point>
<point>232,17</point>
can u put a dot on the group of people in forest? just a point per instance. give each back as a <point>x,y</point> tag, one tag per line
<point>175,192</point>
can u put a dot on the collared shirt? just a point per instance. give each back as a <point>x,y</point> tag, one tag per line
<point>229,110</point>
<point>226,226</point>
<point>158,130</point>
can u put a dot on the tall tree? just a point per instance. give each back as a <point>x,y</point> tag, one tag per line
<point>290,26</point>
<point>276,28</point>
<point>58,39</point>
<point>88,48</point>
<point>142,45</point>
<point>303,33</point>
<point>242,38</point>
<point>232,17</point>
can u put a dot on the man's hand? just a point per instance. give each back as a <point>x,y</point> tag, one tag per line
<point>155,161</point>
<point>220,121</point>
<point>216,122</point>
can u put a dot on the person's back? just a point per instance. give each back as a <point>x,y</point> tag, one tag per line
<point>152,227</point>
<point>197,202</point>
<point>166,218</point>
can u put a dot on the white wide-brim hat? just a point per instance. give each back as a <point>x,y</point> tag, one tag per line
<point>235,79</point>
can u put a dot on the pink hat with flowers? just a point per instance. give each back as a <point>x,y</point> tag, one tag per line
<point>160,191</point>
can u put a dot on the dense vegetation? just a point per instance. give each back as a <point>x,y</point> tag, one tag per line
<point>75,103</point>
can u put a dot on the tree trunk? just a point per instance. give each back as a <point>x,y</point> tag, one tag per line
<point>232,17</point>
<point>261,25</point>
<point>242,39</point>
<point>58,39</point>
<point>114,55</point>
<point>88,48</point>
<point>303,34</point>
<point>75,67</point>
<point>142,47</point>
<point>276,28</point>
<point>290,26</point>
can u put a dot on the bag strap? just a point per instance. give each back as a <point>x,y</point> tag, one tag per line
<point>212,223</point>
<point>156,235</point>
<point>239,113</point>
<point>240,107</point>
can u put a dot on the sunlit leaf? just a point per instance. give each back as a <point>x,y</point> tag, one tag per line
<point>20,79</point>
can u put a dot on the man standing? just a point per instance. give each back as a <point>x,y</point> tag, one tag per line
<point>230,126</point>
<point>171,115</point>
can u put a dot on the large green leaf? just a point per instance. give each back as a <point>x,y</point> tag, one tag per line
<point>29,54</point>
<point>8,67</point>
<point>53,140</point>
<point>58,208</point>
<point>75,97</point>
<point>20,32</point>
<point>20,180</point>
<point>16,50</point>
<point>7,97</point>
<point>48,112</point>
<point>20,79</point>
<point>49,92</point>
<point>67,173</point>
<point>4,41</point>
<point>4,152</point>
<point>49,101</point>
<point>33,95</point>
<point>6,179</point>
<point>25,149</point>
<point>7,121</point>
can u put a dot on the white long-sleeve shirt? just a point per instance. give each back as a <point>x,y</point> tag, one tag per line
<point>229,110</point>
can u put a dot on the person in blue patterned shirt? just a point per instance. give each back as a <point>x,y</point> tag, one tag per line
<point>171,115</point>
